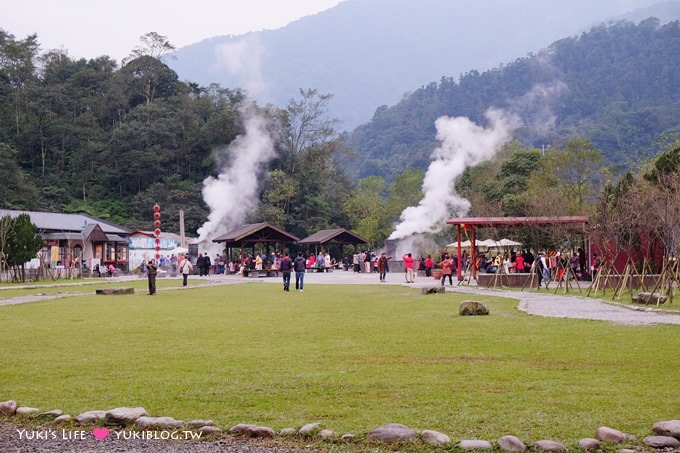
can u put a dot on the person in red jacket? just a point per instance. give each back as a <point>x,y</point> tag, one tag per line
<point>429,265</point>
<point>408,268</point>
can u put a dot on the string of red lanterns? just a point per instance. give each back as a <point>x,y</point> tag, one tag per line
<point>157,230</point>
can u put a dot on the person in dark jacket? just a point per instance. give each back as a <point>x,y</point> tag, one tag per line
<point>206,265</point>
<point>286,267</point>
<point>199,264</point>
<point>299,266</point>
<point>151,271</point>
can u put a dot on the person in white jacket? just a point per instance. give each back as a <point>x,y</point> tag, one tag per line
<point>185,269</point>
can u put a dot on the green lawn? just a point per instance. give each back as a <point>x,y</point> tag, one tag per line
<point>351,357</point>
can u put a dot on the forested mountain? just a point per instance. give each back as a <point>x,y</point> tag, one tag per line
<point>367,53</point>
<point>615,84</point>
<point>89,136</point>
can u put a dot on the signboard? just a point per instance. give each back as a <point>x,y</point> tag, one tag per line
<point>150,243</point>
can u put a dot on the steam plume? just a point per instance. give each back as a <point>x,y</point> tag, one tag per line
<point>463,144</point>
<point>234,193</point>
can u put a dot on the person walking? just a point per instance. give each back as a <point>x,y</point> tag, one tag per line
<point>429,265</point>
<point>286,266</point>
<point>151,272</point>
<point>299,265</point>
<point>199,264</point>
<point>185,269</point>
<point>383,267</point>
<point>408,268</point>
<point>447,270</point>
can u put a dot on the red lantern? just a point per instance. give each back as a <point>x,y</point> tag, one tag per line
<point>157,223</point>
<point>156,208</point>
<point>156,215</point>
<point>158,240</point>
<point>157,232</point>
<point>158,248</point>
<point>158,256</point>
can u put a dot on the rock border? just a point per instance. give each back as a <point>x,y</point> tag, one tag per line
<point>665,434</point>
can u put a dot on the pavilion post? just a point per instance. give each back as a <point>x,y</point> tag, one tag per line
<point>460,255</point>
<point>473,253</point>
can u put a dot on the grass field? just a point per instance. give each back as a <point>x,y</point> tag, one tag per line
<point>351,357</point>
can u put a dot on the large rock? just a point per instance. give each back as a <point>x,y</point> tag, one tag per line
<point>473,444</point>
<point>668,428</point>
<point>25,410</point>
<point>158,422</point>
<point>435,437</point>
<point>200,423</point>
<point>393,432</point>
<point>589,444</point>
<point>124,416</point>
<point>511,443</point>
<point>327,434</point>
<point>606,434</point>
<point>62,419</point>
<point>8,407</point>
<point>472,308</point>
<point>115,291</point>
<point>662,442</point>
<point>551,446</point>
<point>309,429</point>
<point>209,429</point>
<point>433,290</point>
<point>91,417</point>
<point>244,429</point>
<point>50,415</point>
<point>287,432</point>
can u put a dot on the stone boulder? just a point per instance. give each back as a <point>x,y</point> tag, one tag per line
<point>473,444</point>
<point>124,416</point>
<point>393,432</point>
<point>50,415</point>
<point>309,429</point>
<point>551,446</point>
<point>662,442</point>
<point>25,410</point>
<point>668,428</point>
<point>327,434</point>
<point>91,417</point>
<point>433,290</point>
<point>158,422</point>
<point>62,419</point>
<point>589,444</point>
<point>114,291</point>
<point>349,437</point>
<point>511,443</point>
<point>606,434</point>
<point>8,407</point>
<point>472,308</point>
<point>199,423</point>
<point>435,437</point>
<point>287,432</point>
<point>244,429</point>
<point>209,429</point>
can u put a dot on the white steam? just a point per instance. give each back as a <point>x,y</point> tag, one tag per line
<point>234,193</point>
<point>463,144</point>
<point>242,60</point>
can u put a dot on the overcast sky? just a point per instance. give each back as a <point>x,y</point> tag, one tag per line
<point>90,28</point>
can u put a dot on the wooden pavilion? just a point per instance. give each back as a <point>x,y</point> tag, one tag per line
<point>337,236</point>
<point>572,223</point>
<point>255,233</point>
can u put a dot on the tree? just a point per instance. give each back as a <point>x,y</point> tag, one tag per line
<point>23,245</point>
<point>16,66</point>
<point>17,188</point>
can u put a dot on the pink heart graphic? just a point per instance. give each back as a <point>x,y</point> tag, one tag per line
<point>100,433</point>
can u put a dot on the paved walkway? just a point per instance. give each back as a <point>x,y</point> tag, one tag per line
<point>543,303</point>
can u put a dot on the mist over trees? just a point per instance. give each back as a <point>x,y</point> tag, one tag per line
<point>91,136</point>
